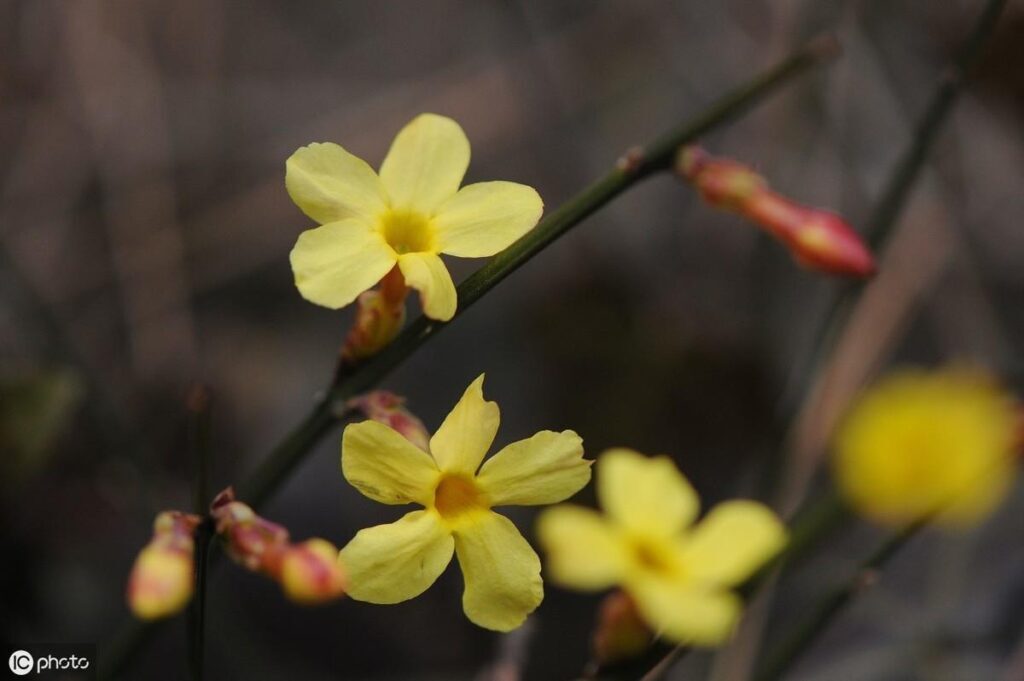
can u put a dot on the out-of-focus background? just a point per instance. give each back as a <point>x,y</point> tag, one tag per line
<point>144,235</point>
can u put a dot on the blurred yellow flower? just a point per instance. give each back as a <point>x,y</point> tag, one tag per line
<point>406,216</point>
<point>396,562</point>
<point>924,442</point>
<point>679,576</point>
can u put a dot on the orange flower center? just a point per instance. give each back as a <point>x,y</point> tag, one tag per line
<point>457,495</point>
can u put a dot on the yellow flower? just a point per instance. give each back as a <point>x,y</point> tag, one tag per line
<point>928,442</point>
<point>679,576</point>
<point>407,215</point>
<point>396,562</point>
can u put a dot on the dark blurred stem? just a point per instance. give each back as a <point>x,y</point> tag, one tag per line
<point>884,217</point>
<point>794,645</point>
<point>199,437</point>
<point>632,168</point>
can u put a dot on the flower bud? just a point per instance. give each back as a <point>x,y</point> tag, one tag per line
<point>250,540</point>
<point>380,315</point>
<point>308,572</point>
<point>377,323</point>
<point>163,576</point>
<point>620,633</point>
<point>721,182</point>
<point>311,572</point>
<point>818,239</point>
<point>387,408</point>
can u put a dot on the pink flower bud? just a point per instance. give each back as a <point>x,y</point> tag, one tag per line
<point>311,572</point>
<point>250,540</point>
<point>387,408</point>
<point>163,577</point>
<point>376,324</point>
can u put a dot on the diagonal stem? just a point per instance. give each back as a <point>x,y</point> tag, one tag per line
<point>656,157</point>
<point>831,605</point>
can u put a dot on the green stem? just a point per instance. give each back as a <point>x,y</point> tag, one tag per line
<point>805,633</point>
<point>657,156</point>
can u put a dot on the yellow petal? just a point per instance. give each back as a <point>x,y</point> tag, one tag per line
<point>544,469</point>
<point>329,184</point>
<point>583,550</point>
<point>732,542</point>
<point>461,442</point>
<point>648,496</point>
<point>501,572</point>
<point>427,274</point>
<point>334,263</point>
<point>486,218</point>
<point>425,164</point>
<point>684,614</point>
<point>385,466</point>
<point>393,563</point>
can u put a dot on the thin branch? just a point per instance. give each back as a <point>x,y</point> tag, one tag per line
<point>199,436</point>
<point>832,604</point>
<point>635,166</point>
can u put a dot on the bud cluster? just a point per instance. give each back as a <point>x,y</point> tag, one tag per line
<point>163,578</point>
<point>309,572</point>
<point>818,239</point>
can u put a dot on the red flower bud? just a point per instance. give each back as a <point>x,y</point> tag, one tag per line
<point>818,239</point>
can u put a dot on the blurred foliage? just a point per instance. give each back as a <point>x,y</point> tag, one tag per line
<point>36,407</point>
